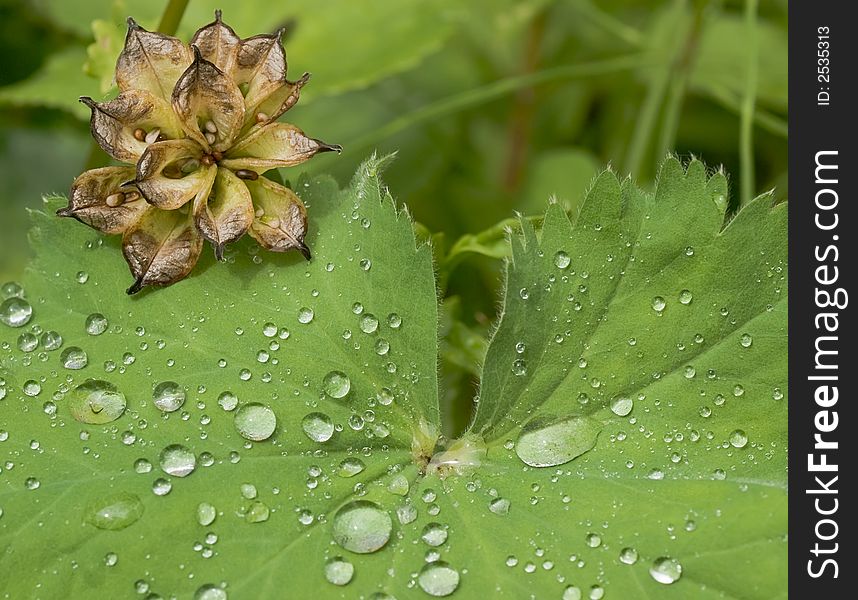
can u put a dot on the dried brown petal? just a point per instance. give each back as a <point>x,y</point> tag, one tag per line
<point>261,66</point>
<point>208,102</point>
<point>151,61</point>
<point>226,214</point>
<point>88,200</point>
<point>280,221</point>
<point>278,101</point>
<point>274,145</point>
<point>170,173</point>
<point>161,248</point>
<point>218,44</point>
<point>113,124</point>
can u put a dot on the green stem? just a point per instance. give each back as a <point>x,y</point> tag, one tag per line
<point>765,120</point>
<point>642,136</point>
<point>611,24</point>
<point>493,91</point>
<point>746,122</point>
<point>172,16</point>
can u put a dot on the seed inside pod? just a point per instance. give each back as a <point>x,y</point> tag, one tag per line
<point>152,136</point>
<point>247,174</point>
<point>114,200</point>
<point>139,134</point>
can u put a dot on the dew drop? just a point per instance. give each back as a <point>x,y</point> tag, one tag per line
<point>161,487</point>
<point>519,367</point>
<point>210,592</point>
<point>51,340</point>
<point>562,260</point>
<point>177,460</point>
<point>622,406</point>
<point>96,402</point>
<point>339,571</point>
<point>666,570</point>
<point>499,506</point>
<point>27,342</point>
<point>114,512</point>
<point>438,579</point>
<point>15,312</point>
<point>658,304</point>
<point>305,315</point>
<point>96,324</point>
<point>685,297</point>
<point>434,534</point>
<point>206,514</point>
<point>361,527</point>
<point>336,384</point>
<point>738,438</point>
<point>227,401</point>
<point>572,592</point>
<point>255,422</point>
<point>546,443</point>
<point>349,467</point>
<point>168,396</point>
<point>746,340</point>
<point>318,426</point>
<point>628,556</point>
<point>368,323</point>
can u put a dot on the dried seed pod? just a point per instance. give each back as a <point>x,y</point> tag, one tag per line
<point>199,124</point>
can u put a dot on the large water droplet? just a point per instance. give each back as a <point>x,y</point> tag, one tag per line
<point>622,406</point>
<point>434,534</point>
<point>73,358</point>
<point>255,422</point>
<point>339,571</point>
<point>168,396</point>
<point>368,323</point>
<point>666,570</point>
<point>114,512</point>
<point>96,324</point>
<point>362,527</point>
<point>206,514</point>
<point>15,312</point>
<point>438,579</point>
<point>305,315</point>
<point>499,506</point>
<point>336,384</point>
<point>561,260</point>
<point>572,592</point>
<point>349,467</point>
<point>738,438</point>
<point>546,443</point>
<point>96,402</point>
<point>177,460</point>
<point>210,591</point>
<point>318,426</point>
<point>628,556</point>
<point>658,304</point>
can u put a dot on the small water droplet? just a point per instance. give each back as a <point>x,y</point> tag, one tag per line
<point>161,487</point>
<point>546,443</point>
<point>96,402</point>
<point>593,540</point>
<point>658,304</point>
<point>666,570</point>
<point>27,342</point>
<point>73,358</point>
<point>255,422</point>
<point>434,534</point>
<point>318,426</point>
<point>499,506</point>
<point>685,297</point>
<point>168,396</point>
<point>628,556</point>
<point>368,323</point>
<point>114,512</point>
<point>227,401</point>
<point>361,527</point>
<point>738,438</point>
<point>96,324</point>
<point>562,260</point>
<point>622,406</point>
<point>349,467</point>
<point>15,312</point>
<point>210,591</point>
<point>177,460</point>
<point>305,315</point>
<point>339,571</point>
<point>206,514</point>
<point>336,384</point>
<point>51,340</point>
<point>746,340</point>
<point>519,367</point>
<point>438,579</point>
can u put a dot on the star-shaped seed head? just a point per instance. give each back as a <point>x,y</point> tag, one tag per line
<point>197,126</point>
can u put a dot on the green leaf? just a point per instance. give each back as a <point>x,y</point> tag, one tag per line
<point>59,84</point>
<point>647,470</point>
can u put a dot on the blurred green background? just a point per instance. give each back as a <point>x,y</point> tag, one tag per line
<point>492,105</point>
